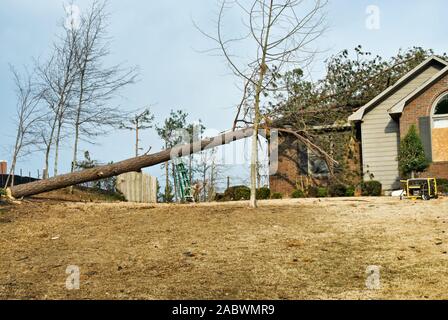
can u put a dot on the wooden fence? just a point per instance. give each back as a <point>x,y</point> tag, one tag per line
<point>138,187</point>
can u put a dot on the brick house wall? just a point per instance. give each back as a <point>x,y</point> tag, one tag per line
<point>421,106</point>
<point>290,175</point>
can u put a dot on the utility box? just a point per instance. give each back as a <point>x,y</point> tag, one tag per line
<point>137,187</point>
<point>3,167</point>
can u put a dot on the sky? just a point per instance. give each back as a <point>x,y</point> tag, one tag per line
<point>160,38</point>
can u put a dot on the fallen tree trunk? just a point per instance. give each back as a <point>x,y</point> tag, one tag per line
<point>134,164</point>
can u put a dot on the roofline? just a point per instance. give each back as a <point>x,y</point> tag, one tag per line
<point>359,114</point>
<point>399,106</point>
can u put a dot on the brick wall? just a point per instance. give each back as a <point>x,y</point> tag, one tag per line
<point>421,106</point>
<point>436,170</point>
<point>284,180</point>
<point>289,175</point>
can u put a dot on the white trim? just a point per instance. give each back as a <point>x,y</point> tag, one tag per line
<point>399,106</point>
<point>436,102</point>
<point>359,114</point>
<point>438,116</point>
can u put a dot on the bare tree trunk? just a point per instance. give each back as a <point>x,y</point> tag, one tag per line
<point>136,137</point>
<point>134,164</point>
<point>56,148</point>
<point>167,181</point>
<point>45,174</point>
<point>14,161</point>
<point>173,167</point>
<point>190,169</point>
<point>204,183</point>
<point>77,121</point>
<point>11,174</point>
<point>75,147</point>
<point>258,90</point>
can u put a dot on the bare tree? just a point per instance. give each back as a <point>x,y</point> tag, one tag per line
<point>140,121</point>
<point>96,84</point>
<point>27,116</point>
<point>57,79</point>
<point>279,33</point>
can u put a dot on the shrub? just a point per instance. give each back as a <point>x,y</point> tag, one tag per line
<point>277,195</point>
<point>337,190</point>
<point>322,192</point>
<point>350,192</point>
<point>312,191</point>
<point>371,188</point>
<point>442,185</point>
<point>412,154</point>
<point>298,194</point>
<point>263,193</point>
<point>237,193</point>
<point>219,197</point>
<point>2,192</point>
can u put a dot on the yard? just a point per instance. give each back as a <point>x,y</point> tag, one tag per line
<point>286,249</point>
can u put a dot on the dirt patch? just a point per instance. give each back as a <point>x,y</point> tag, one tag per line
<point>286,249</point>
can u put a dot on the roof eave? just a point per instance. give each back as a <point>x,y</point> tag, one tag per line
<point>359,114</point>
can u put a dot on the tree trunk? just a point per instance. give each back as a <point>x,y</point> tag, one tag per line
<point>136,137</point>
<point>48,149</point>
<point>75,145</point>
<point>75,148</point>
<point>190,169</point>
<point>11,174</point>
<point>134,164</point>
<point>14,161</point>
<point>56,148</point>
<point>167,181</point>
<point>173,169</point>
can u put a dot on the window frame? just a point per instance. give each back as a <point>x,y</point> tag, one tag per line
<point>434,117</point>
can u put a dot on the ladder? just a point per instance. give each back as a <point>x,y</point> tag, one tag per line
<point>183,183</point>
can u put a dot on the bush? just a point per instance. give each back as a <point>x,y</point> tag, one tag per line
<point>411,156</point>
<point>298,194</point>
<point>371,188</point>
<point>350,192</point>
<point>337,190</point>
<point>277,195</point>
<point>237,193</point>
<point>219,197</point>
<point>263,193</point>
<point>322,192</point>
<point>312,191</point>
<point>2,192</point>
<point>442,185</point>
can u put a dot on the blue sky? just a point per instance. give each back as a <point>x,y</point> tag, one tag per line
<point>160,38</point>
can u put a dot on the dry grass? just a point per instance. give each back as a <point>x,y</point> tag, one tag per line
<point>286,249</point>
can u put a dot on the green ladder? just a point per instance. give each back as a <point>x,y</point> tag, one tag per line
<point>183,183</point>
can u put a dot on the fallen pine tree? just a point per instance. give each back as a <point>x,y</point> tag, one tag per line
<point>129,165</point>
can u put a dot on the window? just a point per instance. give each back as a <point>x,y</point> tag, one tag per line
<point>442,107</point>
<point>440,115</point>
<point>439,132</point>
<point>310,164</point>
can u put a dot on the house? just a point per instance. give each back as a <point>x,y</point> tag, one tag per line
<point>297,167</point>
<point>372,138</point>
<point>419,98</point>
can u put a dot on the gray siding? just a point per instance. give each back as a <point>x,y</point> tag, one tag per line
<point>381,135</point>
